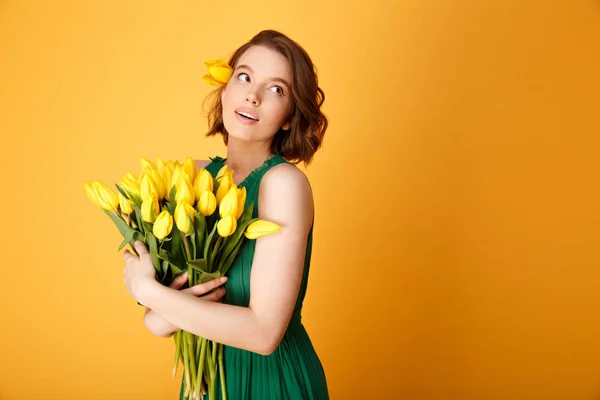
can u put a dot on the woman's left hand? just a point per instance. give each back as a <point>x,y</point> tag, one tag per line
<point>138,271</point>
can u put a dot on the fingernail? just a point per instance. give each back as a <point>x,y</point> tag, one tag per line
<point>223,279</point>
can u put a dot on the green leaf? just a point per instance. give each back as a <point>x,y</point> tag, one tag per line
<point>200,231</point>
<point>153,249</point>
<point>129,234</point>
<point>208,242</point>
<point>192,238</point>
<point>176,243</point>
<point>234,241</point>
<point>138,217</point>
<point>171,203</point>
<point>199,265</point>
<point>230,258</point>
<point>247,214</point>
<point>123,191</point>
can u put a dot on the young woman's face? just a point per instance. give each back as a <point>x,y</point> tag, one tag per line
<point>259,86</point>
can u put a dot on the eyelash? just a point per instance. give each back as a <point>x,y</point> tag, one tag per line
<point>280,94</point>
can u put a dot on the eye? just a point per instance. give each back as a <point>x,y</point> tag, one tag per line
<point>242,73</point>
<point>281,93</point>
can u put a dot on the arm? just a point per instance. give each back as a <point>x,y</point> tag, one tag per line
<point>286,199</point>
<point>158,325</point>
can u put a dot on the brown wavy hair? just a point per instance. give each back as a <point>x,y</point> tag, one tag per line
<point>307,122</point>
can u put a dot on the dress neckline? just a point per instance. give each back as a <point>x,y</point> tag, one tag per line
<point>255,171</point>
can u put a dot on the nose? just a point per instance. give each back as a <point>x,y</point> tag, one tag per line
<point>252,98</point>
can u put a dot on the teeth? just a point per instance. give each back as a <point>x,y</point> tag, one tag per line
<point>246,115</point>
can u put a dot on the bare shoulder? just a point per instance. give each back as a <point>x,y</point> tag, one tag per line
<point>201,163</point>
<point>285,195</point>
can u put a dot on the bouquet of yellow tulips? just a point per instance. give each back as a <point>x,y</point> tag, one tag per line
<point>211,221</point>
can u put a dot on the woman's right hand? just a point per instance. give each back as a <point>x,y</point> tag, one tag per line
<point>163,328</point>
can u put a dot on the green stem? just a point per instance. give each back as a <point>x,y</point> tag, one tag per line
<point>222,373</point>
<point>201,367</point>
<point>186,369</point>
<point>190,348</point>
<point>214,254</point>
<point>177,336</point>
<point>186,244</point>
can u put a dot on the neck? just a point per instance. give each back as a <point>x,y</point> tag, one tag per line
<point>245,157</point>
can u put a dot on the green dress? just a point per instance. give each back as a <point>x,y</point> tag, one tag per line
<point>293,371</point>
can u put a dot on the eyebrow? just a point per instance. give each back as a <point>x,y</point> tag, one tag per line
<point>273,78</point>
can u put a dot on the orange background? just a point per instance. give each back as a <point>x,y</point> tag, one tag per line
<point>457,200</point>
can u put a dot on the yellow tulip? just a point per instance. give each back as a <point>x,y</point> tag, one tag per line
<point>150,208</point>
<point>171,165</point>
<point>229,204</point>
<point>203,182</point>
<point>160,166</point>
<point>224,186</point>
<point>159,183</point>
<point>219,72</point>
<point>130,184</point>
<point>131,176</point>
<point>226,226</point>
<point>105,196</point>
<point>223,171</point>
<point>163,225</point>
<point>147,187</point>
<point>207,203</point>
<point>167,181</point>
<point>89,190</point>
<point>178,174</point>
<point>147,163</point>
<point>260,228</point>
<point>189,167</point>
<point>241,202</point>
<point>182,212</point>
<point>125,204</point>
<point>185,192</point>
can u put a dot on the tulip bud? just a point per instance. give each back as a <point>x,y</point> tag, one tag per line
<point>222,172</point>
<point>159,183</point>
<point>125,204</point>
<point>91,194</point>
<point>171,165</point>
<point>241,202</point>
<point>150,208</point>
<point>160,166</point>
<point>203,182</point>
<point>219,72</point>
<point>260,228</point>
<point>224,185</point>
<point>130,184</point>
<point>132,176</point>
<point>105,196</point>
<point>147,163</point>
<point>147,187</point>
<point>189,167</point>
<point>229,204</point>
<point>183,213</point>
<point>167,179</point>
<point>185,192</point>
<point>178,174</point>
<point>227,226</point>
<point>163,225</point>
<point>207,203</point>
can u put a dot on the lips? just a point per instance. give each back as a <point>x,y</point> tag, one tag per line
<point>247,111</point>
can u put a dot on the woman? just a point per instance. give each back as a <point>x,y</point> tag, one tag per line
<point>269,115</point>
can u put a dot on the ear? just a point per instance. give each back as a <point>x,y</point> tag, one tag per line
<point>285,126</point>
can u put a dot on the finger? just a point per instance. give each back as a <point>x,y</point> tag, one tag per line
<point>206,287</point>
<point>127,254</point>
<point>141,249</point>
<point>214,296</point>
<point>179,281</point>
